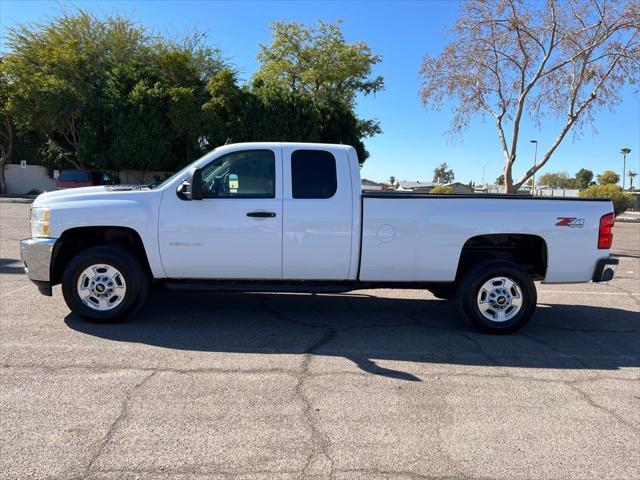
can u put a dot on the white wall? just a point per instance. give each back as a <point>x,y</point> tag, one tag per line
<point>23,180</point>
<point>557,192</point>
<point>35,177</point>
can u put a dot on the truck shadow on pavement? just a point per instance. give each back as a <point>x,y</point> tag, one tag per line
<point>11,266</point>
<point>370,329</point>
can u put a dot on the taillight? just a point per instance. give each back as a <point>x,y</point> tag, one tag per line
<point>605,233</point>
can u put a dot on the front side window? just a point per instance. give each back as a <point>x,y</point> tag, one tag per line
<point>313,174</point>
<point>244,174</point>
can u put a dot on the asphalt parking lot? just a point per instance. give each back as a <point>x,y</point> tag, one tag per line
<point>371,385</point>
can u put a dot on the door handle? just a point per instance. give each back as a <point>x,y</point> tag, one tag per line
<point>261,214</point>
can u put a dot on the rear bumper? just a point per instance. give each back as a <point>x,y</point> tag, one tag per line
<point>605,269</point>
<point>36,254</point>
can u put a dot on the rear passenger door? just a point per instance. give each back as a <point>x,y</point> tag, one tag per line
<point>317,214</point>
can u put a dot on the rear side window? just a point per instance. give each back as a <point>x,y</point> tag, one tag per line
<point>313,174</point>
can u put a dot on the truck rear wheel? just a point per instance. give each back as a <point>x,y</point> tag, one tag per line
<point>104,284</point>
<point>497,297</point>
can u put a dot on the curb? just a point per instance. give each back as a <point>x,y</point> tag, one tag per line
<point>630,216</point>
<point>16,200</point>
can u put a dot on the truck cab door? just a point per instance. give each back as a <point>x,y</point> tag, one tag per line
<point>317,214</point>
<point>235,231</point>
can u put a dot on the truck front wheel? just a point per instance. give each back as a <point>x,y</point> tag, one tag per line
<point>497,297</point>
<point>104,284</point>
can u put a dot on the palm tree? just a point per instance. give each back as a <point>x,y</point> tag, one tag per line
<point>631,174</point>
<point>392,181</point>
<point>624,151</point>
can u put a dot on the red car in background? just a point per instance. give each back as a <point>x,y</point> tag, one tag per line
<point>81,178</point>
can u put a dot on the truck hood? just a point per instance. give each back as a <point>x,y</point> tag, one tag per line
<point>130,207</point>
<point>114,192</point>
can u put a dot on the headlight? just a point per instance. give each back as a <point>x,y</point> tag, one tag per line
<point>40,222</point>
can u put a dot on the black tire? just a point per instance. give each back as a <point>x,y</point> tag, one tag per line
<point>471,284</point>
<point>135,278</point>
<point>447,292</point>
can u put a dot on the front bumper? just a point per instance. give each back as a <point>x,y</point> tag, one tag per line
<point>36,254</point>
<point>605,269</point>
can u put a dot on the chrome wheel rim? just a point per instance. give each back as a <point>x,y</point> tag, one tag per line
<point>101,287</point>
<point>499,299</point>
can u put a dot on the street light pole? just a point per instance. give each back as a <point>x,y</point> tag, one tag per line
<point>483,169</point>
<point>535,162</point>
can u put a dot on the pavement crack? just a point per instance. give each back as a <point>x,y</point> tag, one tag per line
<point>105,368</point>
<point>284,318</point>
<point>555,349</point>
<point>603,409</point>
<point>405,474</point>
<point>321,442</point>
<point>481,349</point>
<point>584,330</point>
<point>121,417</point>
<point>629,293</point>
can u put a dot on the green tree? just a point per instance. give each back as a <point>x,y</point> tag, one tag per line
<point>57,76</point>
<point>621,201</point>
<point>443,174</point>
<point>442,190</point>
<point>555,180</point>
<point>106,93</point>
<point>632,175</point>
<point>7,127</point>
<point>274,112</point>
<point>317,62</point>
<point>608,177</point>
<point>583,178</point>
<point>500,180</point>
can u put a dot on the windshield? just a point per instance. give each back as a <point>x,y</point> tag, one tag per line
<point>182,172</point>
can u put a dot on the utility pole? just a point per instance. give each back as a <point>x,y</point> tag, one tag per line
<point>535,162</point>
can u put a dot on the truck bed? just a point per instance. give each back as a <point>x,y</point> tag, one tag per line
<point>423,239</point>
<point>478,196</point>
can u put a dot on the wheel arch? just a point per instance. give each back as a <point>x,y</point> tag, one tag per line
<point>527,250</point>
<point>78,239</point>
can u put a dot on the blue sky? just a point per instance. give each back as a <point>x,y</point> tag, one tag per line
<point>413,141</point>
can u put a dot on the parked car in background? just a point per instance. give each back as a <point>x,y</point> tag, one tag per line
<point>81,178</point>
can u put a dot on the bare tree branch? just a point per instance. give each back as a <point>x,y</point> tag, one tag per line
<point>518,60</point>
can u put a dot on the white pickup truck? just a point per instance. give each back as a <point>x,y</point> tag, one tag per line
<point>292,217</point>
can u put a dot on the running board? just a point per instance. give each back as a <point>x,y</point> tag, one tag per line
<point>252,286</point>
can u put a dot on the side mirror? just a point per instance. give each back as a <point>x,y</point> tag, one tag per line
<point>195,179</point>
<point>191,188</point>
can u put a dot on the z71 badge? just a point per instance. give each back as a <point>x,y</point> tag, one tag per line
<point>571,222</point>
